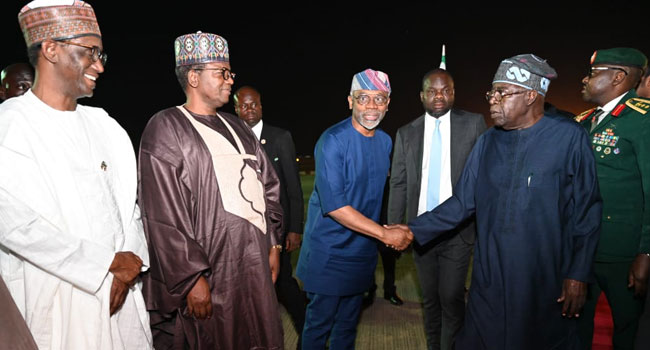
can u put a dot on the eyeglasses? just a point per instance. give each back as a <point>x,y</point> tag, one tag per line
<point>225,72</point>
<point>590,73</point>
<point>379,100</point>
<point>499,95</point>
<point>95,52</point>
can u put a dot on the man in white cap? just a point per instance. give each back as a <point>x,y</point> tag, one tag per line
<point>211,212</point>
<point>531,181</point>
<point>71,240</point>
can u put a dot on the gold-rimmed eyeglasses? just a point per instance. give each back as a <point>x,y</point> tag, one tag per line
<point>363,100</point>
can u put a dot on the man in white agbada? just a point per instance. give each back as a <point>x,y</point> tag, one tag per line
<point>71,239</point>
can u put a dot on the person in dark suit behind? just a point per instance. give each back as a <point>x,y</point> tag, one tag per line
<point>389,258</point>
<point>15,80</point>
<point>428,158</point>
<point>280,149</point>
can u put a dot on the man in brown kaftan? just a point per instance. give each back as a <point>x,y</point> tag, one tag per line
<point>211,213</point>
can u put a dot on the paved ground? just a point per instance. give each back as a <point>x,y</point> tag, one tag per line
<point>382,325</point>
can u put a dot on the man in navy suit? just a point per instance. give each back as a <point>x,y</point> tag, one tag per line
<point>438,141</point>
<point>279,147</point>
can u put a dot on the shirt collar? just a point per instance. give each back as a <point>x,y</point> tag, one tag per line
<point>257,129</point>
<point>609,106</point>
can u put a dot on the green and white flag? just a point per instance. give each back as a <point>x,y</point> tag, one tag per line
<point>443,61</point>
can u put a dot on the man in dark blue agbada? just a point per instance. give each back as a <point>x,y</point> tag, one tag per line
<point>531,180</point>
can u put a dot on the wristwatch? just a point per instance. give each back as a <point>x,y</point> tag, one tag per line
<point>277,246</point>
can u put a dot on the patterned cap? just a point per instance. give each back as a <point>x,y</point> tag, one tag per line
<point>622,56</point>
<point>370,80</point>
<point>199,47</point>
<point>528,71</point>
<point>57,19</point>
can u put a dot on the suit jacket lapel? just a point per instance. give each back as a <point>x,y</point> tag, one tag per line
<point>456,130</point>
<point>416,136</point>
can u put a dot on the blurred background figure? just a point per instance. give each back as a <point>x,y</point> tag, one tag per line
<point>16,79</point>
<point>279,147</point>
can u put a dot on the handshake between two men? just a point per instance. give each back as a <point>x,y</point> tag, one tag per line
<point>397,236</point>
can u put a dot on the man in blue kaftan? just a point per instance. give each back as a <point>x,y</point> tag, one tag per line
<point>531,180</point>
<point>339,252</point>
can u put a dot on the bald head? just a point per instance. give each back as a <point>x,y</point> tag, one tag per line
<point>16,79</point>
<point>248,105</point>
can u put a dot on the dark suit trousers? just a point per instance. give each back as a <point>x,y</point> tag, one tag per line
<point>442,271</point>
<point>388,261</point>
<point>289,293</point>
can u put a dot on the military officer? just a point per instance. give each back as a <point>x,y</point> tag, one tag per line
<point>619,129</point>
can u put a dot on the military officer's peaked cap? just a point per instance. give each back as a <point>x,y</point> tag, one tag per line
<point>621,56</point>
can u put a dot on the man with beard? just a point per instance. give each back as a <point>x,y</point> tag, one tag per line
<point>531,181</point>
<point>339,253</point>
<point>211,213</point>
<point>619,129</point>
<point>71,240</point>
<point>429,155</point>
<point>15,80</point>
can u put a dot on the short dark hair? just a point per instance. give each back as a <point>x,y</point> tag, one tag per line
<point>436,71</point>
<point>181,73</point>
<point>33,53</point>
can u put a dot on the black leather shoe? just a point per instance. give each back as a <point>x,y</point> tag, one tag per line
<point>394,299</point>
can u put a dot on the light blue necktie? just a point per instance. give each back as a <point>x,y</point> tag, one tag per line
<point>433,187</point>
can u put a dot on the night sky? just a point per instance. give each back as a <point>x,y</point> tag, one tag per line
<point>302,59</point>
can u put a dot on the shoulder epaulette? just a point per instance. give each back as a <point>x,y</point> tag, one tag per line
<point>617,110</point>
<point>639,104</point>
<point>584,115</point>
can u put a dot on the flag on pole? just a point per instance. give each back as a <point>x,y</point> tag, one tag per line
<point>443,61</point>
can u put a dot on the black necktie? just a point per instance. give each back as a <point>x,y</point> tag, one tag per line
<point>594,118</point>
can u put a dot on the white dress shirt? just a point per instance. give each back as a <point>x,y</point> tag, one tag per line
<point>445,172</point>
<point>609,106</point>
<point>257,129</point>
